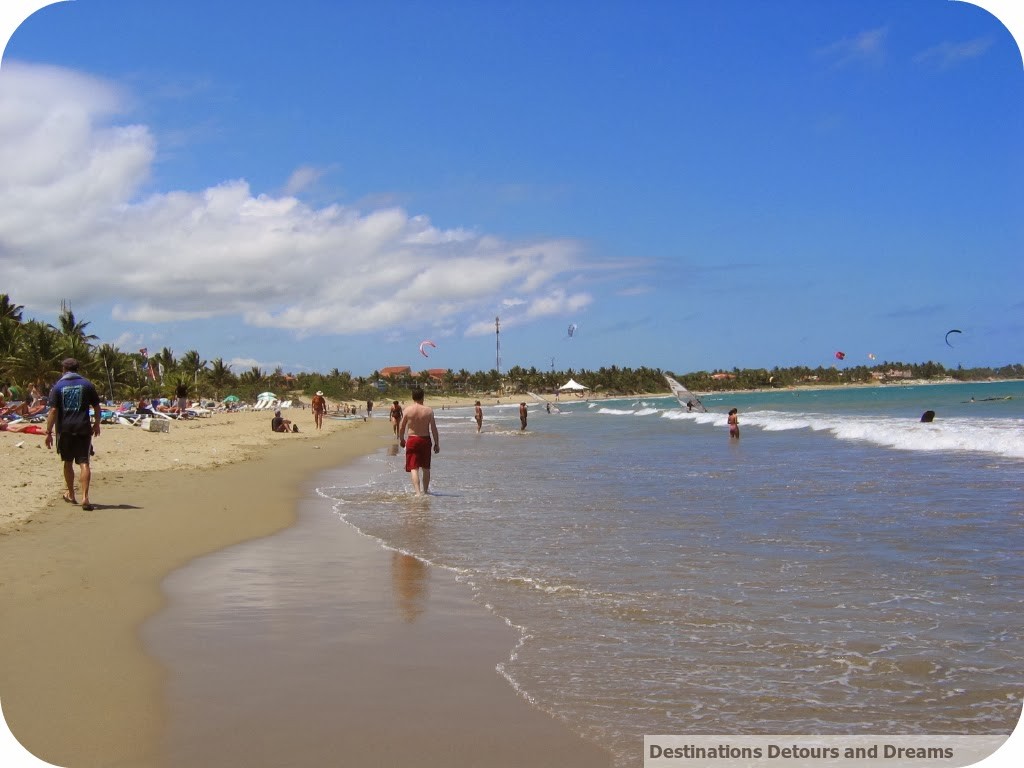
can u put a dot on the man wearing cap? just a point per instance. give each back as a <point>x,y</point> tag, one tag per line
<point>69,401</point>
<point>319,406</point>
<point>280,424</point>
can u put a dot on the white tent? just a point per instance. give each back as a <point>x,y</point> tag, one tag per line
<point>573,386</point>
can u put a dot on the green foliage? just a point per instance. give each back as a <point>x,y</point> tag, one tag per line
<point>31,352</point>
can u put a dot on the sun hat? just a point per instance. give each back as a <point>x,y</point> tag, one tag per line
<point>320,393</point>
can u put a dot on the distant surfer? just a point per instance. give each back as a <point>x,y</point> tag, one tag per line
<point>734,424</point>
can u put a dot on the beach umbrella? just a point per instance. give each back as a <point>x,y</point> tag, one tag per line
<point>573,385</point>
<point>231,399</point>
<point>266,396</point>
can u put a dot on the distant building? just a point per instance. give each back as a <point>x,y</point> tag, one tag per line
<point>396,371</point>
<point>892,373</point>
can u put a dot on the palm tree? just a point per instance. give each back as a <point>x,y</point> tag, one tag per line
<point>220,376</point>
<point>253,377</point>
<point>39,354</point>
<point>190,366</point>
<point>191,362</point>
<point>9,310</point>
<point>115,367</point>
<point>165,358</point>
<point>72,329</point>
<point>10,335</point>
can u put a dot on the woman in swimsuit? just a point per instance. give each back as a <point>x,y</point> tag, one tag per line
<point>734,424</point>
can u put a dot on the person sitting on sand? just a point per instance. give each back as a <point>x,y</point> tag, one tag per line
<point>281,424</point>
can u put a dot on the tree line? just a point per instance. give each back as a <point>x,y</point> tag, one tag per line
<point>31,352</point>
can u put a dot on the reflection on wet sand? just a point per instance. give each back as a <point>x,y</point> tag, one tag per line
<point>409,578</point>
<point>409,574</point>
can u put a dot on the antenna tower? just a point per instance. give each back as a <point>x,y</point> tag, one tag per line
<point>497,344</point>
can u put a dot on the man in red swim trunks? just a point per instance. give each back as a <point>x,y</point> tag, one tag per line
<point>419,420</point>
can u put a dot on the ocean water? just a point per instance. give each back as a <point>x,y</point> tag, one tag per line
<point>842,568</point>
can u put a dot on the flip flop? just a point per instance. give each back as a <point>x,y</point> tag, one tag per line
<point>88,507</point>
<point>69,499</point>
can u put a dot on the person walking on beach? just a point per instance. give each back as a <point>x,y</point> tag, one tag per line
<point>69,401</point>
<point>734,424</point>
<point>319,406</point>
<point>419,420</point>
<point>478,414</point>
<point>522,416</point>
<point>181,397</point>
<point>396,416</point>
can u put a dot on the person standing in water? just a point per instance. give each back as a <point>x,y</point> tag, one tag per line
<point>419,420</point>
<point>478,414</point>
<point>522,416</point>
<point>395,414</point>
<point>734,424</point>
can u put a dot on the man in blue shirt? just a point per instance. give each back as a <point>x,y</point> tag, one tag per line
<point>70,399</point>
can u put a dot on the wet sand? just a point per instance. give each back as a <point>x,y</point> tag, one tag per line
<point>78,687</point>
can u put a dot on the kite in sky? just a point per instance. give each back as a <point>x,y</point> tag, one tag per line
<point>955,330</point>
<point>424,345</point>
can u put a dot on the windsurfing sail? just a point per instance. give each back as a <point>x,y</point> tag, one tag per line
<point>551,406</point>
<point>685,397</point>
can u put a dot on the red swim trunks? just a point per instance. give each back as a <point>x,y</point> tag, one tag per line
<point>417,452</point>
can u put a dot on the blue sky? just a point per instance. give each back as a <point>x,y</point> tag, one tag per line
<point>695,185</point>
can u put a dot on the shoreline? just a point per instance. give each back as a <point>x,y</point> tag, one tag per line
<point>77,685</point>
<point>378,658</point>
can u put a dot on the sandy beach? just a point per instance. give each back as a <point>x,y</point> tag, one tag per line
<point>77,686</point>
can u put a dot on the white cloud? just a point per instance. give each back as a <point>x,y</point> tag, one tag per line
<point>553,303</point>
<point>70,179</point>
<point>239,364</point>
<point>302,178</point>
<point>867,47</point>
<point>946,55</point>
